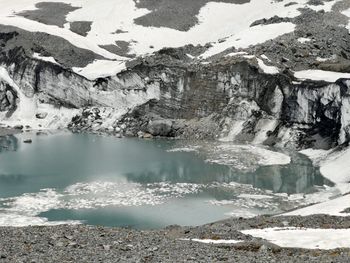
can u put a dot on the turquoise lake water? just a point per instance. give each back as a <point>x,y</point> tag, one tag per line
<point>97,180</point>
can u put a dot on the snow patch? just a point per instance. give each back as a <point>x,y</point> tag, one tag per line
<point>100,69</point>
<point>320,75</point>
<point>212,241</point>
<point>251,36</point>
<point>267,69</point>
<point>303,40</point>
<point>333,166</point>
<point>47,59</point>
<point>307,238</point>
<point>333,207</point>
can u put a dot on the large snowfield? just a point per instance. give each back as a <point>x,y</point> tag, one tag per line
<point>111,16</point>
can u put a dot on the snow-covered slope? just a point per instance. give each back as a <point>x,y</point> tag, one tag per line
<point>112,25</point>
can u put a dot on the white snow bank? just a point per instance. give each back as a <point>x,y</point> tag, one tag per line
<point>47,59</point>
<point>333,207</point>
<point>319,75</point>
<point>100,69</point>
<point>212,241</point>
<point>267,69</point>
<point>233,54</point>
<point>336,167</point>
<point>303,40</point>
<point>333,165</point>
<point>304,237</point>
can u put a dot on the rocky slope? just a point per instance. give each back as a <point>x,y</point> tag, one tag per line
<point>173,244</point>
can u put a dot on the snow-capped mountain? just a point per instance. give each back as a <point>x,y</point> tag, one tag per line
<point>115,30</point>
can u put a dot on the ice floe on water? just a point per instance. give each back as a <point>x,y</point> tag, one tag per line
<point>243,200</point>
<point>242,157</point>
<point>247,201</point>
<point>88,196</point>
<point>231,192</point>
<point>98,194</point>
<point>304,237</point>
<point>18,220</point>
<point>246,156</point>
<point>185,149</point>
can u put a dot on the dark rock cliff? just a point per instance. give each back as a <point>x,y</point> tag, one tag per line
<point>163,95</point>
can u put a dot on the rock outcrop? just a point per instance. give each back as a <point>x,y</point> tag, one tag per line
<point>235,100</point>
<point>177,93</point>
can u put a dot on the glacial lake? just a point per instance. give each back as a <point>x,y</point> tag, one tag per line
<point>96,180</point>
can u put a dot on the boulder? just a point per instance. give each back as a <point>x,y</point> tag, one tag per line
<point>147,136</point>
<point>41,115</point>
<point>160,127</point>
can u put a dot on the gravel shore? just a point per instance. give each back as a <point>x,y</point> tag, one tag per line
<point>80,243</point>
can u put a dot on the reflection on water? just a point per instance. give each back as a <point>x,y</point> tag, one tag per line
<point>300,176</point>
<point>8,143</point>
<point>64,160</point>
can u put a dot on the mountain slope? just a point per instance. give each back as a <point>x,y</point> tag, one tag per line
<point>272,72</point>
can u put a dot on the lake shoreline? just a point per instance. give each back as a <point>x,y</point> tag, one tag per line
<point>9,131</point>
<point>82,243</point>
